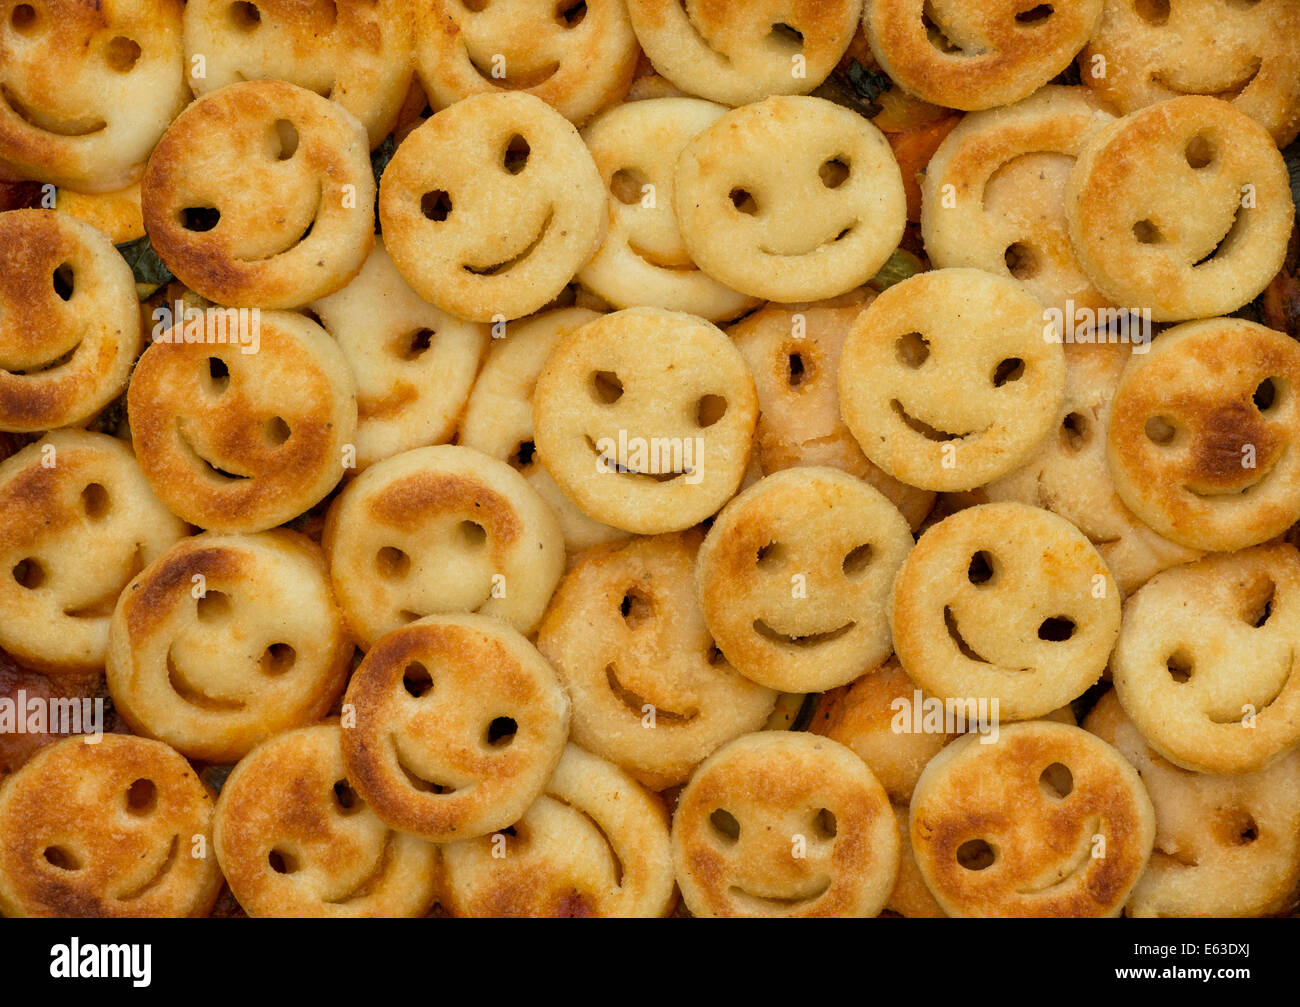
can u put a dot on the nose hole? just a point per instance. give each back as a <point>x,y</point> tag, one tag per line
<point>62,858</point>
<point>63,281</point>
<point>1146,232</point>
<point>980,570</point>
<point>1179,666</point>
<point>516,155</point>
<point>857,560</point>
<point>436,205</point>
<point>213,606</point>
<point>1056,781</point>
<point>200,219</point>
<point>1199,152</point>
<point>1160,430</point>
<point>1021,261</point>
<point>1057,629</point>
<point>416,679</point>
<point>606,388</point>
<point>278,658</point>
<point>744,201</point>
<point>975,855</point>
<point>346,801</point>
<point>122,54</point>
<point>29,573</point>
<point>501,732</point>
<point>282,862</point>
<point>709,410</point>
<point>725,825</point>
<point>1011,369</point>
<point>94,501</point>
<point>1074,431</point>
<point>834,173</point>
<point>912,349</point>
<point>392,562</point>
<point>141,797</point>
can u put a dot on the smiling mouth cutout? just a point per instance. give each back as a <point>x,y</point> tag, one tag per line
<point>637,704</point>
<point>507,265</point>
<point>211,470</point>
<point>156,878</point>
<point>367,885</point>
<point>840,235</point>
<point>70,128</point>
<point>1236,491</point>
<point>192,694</point>
<point>614,466</point>
<point>1077,867</point>
<point>808,640</point>
<point>418,782</point>
<point>927,431</point>
<point>819,888</point>
<point>967,651</point>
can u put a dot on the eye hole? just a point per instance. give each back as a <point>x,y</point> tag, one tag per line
<point>635,608</point>
<point>415,344</point>
<point>282,140</point>
<point>627,185</point>
<point>1011,369</point>
<point>796,370</point>
<point>436,205</point>
<point>346,801</point>
<point>1266,394</point>
<point>606,388</point>
<point>29,573</point>
<point>416,679</point>
<point>1146,232</point>
<point>392,563</point>
<point>743,200</point>
<point>62,858</point>
<point>276,431</point>
<point>213,606</point>
<point>772,554</point>
<point>1199,152</point>
<point>141,797</point>
<point>218,375</point>
<point>1160,430</point>
<point>472,534</point>
<point>1056,781</point>
<point>474,6</point>
<point>24,19</point>
<point>1021,261</point>
<point>824,824</point>
<point>63,281</point>
<point>725,825</point>
<point>857,560</point>
<point>278,658</point>
<point>122,54</point>
<point>1259,602</point>
<point>1035,15</point>
<point>787,35</point>
<point>501,732</point>
<point>516,155</point>
<point>245,16</point>
<point>1057,629</point>
<point>282,862</point>
<point>1236,827</point>
<point>200,219</point>
<point>1074,432</point>
<point>1179,666</point>
<point>834,173</point>
<point>980,570</point>
<point>709,410</point>
<point>569,14</point>
<point>523,455</point>
<point>975,855</point>
<point>1152,11</point>
<point>94,501</point>
<point>912,349</point>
